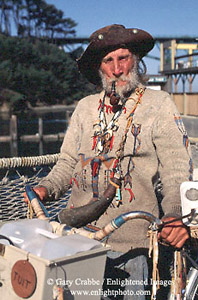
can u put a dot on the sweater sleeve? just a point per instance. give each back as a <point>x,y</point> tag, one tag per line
<point>57,181</point>
<point>173,151</point>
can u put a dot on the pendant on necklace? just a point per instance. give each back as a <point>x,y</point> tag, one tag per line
<point>114,99</point>
<point>103,133</point>
<point>115,108</point>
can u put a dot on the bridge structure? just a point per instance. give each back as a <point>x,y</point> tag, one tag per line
<point>85,40</point>
<point>179,61</point>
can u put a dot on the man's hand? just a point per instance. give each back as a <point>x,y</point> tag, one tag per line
<point>174,234</point>
<point>41,191</point>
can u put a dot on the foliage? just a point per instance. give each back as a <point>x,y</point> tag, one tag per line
<point>39,72</point>
<point>34,18</point>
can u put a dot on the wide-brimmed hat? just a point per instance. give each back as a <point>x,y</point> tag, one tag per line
<point>107,39</point>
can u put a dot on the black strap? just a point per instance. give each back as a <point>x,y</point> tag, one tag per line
<point>2,237</point>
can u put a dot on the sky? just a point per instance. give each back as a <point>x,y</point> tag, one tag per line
<point>170,18</point>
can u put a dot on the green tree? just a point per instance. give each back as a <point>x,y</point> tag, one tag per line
<point>33,72</point>
<point>5,9</point>
<point>17,10</point>
<point>34,18</point>
<point>39,73</point>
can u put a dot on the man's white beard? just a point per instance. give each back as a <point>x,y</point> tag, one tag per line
<point>132,81</point>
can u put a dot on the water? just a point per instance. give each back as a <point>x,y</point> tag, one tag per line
<point>53,123</point>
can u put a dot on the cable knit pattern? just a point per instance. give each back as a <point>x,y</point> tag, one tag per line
<point>155,147</point>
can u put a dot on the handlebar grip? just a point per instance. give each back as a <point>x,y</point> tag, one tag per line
<point>37,206</point>
<point>30,192</point>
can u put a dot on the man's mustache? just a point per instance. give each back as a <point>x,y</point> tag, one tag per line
<point>120,78</point>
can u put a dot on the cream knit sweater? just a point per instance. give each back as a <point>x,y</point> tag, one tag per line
<point>157,148</point>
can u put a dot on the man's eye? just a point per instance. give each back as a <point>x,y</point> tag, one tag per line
<point>108,60</point>
<point>123,57</point>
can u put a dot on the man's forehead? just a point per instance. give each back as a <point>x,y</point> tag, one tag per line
<point>118,52</point>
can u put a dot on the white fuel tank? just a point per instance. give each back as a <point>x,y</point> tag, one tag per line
<point>189,201</point>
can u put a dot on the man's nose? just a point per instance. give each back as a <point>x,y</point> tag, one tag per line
<point>117,69</point>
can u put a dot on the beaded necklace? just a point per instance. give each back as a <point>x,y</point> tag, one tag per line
<point>120,151</point>
<point>103,134</point>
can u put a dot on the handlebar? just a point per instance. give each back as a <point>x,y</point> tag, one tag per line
<point>121,219</point>
<point>100,234</point>
<point>63,229</point>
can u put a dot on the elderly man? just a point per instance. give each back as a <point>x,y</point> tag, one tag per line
<point>129,130</point>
